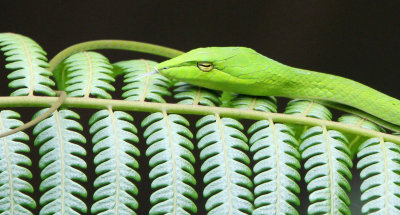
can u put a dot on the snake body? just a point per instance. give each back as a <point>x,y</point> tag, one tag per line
<point>244,71</point>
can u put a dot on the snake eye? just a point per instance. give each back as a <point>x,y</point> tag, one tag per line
<point>205,66</point>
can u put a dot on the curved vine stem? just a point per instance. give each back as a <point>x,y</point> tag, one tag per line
<point>114,44</point>
<point>62,95</point>
<point>92,103</point>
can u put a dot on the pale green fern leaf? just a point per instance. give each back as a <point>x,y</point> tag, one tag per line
<point>140,86</point>
<point>355,140</point>
<point>265,104</point>
<point>277,165</point>
<point>15,191</point>
<point>327,161</point>
<point>171,160</point>
<point>277,159</point>
<point>226,166</point>
<point>379,162</point>
<point>88,74</point>
<point>116,165</point>
<point>28,62</point>
<point>61,163</point>
<point>194,95</point>
<point>306,108</point>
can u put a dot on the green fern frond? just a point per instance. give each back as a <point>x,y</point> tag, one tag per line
<point>327,161</point>
<point>87,74</point>
<point>61,163</point>
<point>380,171</point>
<point>277,165</point>
<point>276,156</point>
<point>308,109</point>
<point>114,135</point>
<point>194,95</point>
<point>354,140</point>
<point>141,87</point>
<point>15,190</point>
<point>172,164</point>
<point>226,166</point>
<point>264,104</point>
<point>29,62</point>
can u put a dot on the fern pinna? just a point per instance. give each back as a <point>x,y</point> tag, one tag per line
<point>168,140</point>
<point>172,164</point>
<point>243,173</point>
<point>114,138</point>
<point>380,166</point>
<point>61,163</point>
<point>15,189</point>
<point>28,62</point>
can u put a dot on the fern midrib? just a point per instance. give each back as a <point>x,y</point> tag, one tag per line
<point>355,140</point>
<point>90,72</point>
<point>172,147</point>
<point>252,104</point>
<point>146,83</point>
<point>225,151</point>
<point>197,98</point>
<point>385,170</point>
<point>9,167</point>
<point>331,180</point>
<point>117,158</point>
<point>308,108</point>
<point>57,115</point>
<point>29,58</point>
<point>277,161</point>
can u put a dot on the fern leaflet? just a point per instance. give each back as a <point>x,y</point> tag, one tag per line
<point>264,104</point>
<point>277,164</point>
<point>140,86</point>
<point>88,73</point>
<point>115,162</point>
<point>354,140</point>
<point>308,109</point>
<point>29,62</point>
<point>380,171</point>
<point>225,164</point>
<point>14,198</point>
<point>61,163</point>
<point>327,161</point>
<point>194,95</point>
<point>276,156</point>
<point>172,164</point>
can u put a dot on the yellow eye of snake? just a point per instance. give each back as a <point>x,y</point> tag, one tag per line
<point>205,66</point>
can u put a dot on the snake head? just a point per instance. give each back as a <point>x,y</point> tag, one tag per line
<point>220,68</point>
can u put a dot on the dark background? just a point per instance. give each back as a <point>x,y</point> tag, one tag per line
<point>359,39</point>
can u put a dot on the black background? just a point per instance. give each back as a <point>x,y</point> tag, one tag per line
<point>359,39</point>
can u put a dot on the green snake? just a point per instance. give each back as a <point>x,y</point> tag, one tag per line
<point>244,71</point>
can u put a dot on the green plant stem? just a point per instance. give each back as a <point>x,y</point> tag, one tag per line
<point>92,103</point>
<point>114,44</point>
